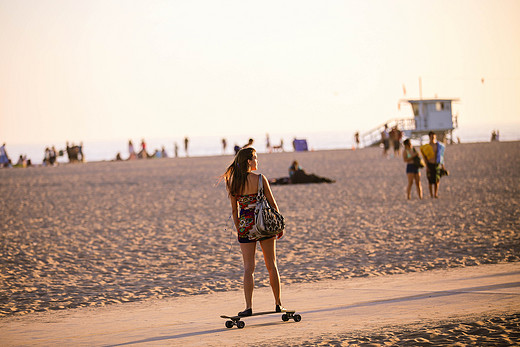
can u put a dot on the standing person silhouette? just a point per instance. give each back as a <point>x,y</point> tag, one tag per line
<point>186,143</point>
<point>224,145</point>
<point>4,158</point>
<point>143,154</point>
<point>433,153</point>
<point>242,187</point>
<point>131,150</point>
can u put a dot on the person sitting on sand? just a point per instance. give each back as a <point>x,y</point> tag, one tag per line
<point>298,175</point>
<point>411,158</point>
<point>163,153</point>
<point>295,166</point>
<point>433,153</point>
<point>242,187</point>
<point>249,143</point>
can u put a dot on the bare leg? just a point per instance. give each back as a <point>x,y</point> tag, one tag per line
<point>269,250</point>
<point>418,184</point>
<point>248,254</point>
<point>430,186</point>
<point>436,190</point>
<point>409,187</point>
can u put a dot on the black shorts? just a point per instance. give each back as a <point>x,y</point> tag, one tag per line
<point>412,168</point>
<point>246,240</point>
<point>433,173</point>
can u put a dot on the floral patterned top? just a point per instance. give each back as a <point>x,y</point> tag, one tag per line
<point>247,204</point>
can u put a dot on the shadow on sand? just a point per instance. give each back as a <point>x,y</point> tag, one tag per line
<point>483,290</point>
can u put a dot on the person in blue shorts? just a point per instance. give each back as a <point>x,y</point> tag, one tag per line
<point>411,158</point>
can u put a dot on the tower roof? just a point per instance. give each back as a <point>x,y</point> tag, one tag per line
<point>417,101</point>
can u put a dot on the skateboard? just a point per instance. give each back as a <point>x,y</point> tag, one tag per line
<point>236,320</point>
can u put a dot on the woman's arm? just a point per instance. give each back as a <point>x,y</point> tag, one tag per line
<point>234,210</point>
<point>405,156</point>
<point>270,198</point>
<point>407,159</point>
<point>268,194</point>
<point>425,160</point>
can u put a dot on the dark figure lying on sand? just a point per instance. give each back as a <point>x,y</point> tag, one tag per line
<point>298,175</point>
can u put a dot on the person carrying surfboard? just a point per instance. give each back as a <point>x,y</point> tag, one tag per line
<point>433,154</point>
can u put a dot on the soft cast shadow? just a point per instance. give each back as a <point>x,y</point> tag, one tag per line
<point>484,290</point>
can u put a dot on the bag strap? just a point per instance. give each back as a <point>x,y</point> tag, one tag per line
<point>260,186</point>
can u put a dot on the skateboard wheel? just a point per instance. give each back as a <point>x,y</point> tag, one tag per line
<point>229,324</point>
<point>285,317</point>
<point>241,324</point>
<point>297,318</point>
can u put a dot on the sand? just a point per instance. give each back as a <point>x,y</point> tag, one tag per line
<point>110,233</point>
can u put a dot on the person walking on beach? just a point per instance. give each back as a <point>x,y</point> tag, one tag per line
<point>395,136</point>
<point>4,158</point>
<point>385,139</point>
<point>143,154</point>
<point>433,153</point>
<point>411,158</point>
<point>268,147</point>
<point>53,155</point>
<point>242,187</point>
<point>186,143</point>
<point>131,151</point>
<point>224,145</point>
<point>81,156</point>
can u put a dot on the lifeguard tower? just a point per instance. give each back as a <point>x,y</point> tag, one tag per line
<point>432,115</point>
<point>429,115</point>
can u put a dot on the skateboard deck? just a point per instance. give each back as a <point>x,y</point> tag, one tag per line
<point>236,320</point>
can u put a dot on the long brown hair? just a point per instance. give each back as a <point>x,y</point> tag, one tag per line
<point>236,173</point>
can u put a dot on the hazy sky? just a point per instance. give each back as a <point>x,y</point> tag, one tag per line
<point>99,70</point>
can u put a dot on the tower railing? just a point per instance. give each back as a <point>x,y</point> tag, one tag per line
<point>373,137</point>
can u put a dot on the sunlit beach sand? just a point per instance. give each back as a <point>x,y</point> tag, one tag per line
<point>110,233</point>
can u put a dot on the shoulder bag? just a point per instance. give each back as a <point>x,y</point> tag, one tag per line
<point>268,221</point>
<point>417,161</point>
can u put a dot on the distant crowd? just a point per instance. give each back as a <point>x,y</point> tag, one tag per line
<point>5,161</point>
<point>50,156</point>
<point>495,136</point>
<point>391,140</point>
<point>144,153</point>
